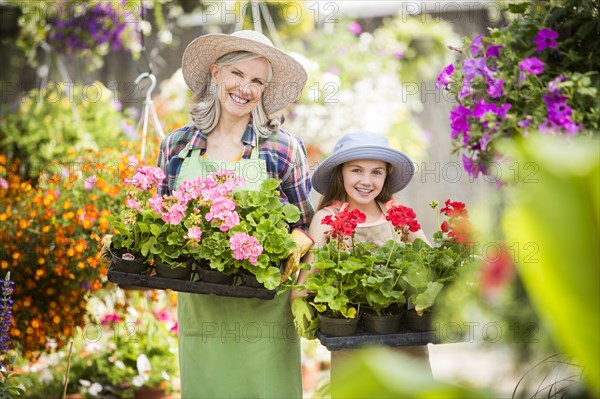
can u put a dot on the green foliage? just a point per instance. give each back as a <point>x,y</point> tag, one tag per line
<point>560,213</point>
<point>380,373</point>
<point>59,120</point>
<point>126,345</point>
<point>13,384</point>
<point>337,284</point>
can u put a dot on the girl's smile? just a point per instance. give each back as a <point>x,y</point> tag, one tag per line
<point>363,181</point>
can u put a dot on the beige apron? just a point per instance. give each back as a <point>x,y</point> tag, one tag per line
<point>235,347</point>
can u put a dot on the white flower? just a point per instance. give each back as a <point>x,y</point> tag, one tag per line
<point>85,383</point>
<point>143,366</point>
<point>138,381</point>
<point>95,389</point>
<point>120,365</point>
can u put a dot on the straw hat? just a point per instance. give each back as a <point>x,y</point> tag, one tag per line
<point>289,77</point>
<point>365,145</point>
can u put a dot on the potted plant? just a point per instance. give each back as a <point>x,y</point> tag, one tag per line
<point>339,266</point>
<point>383,294</point>
<point>136,224</point>
<point>211,222</point>
<point>429,269</point>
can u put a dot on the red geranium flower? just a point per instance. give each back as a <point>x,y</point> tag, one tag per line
<point>455,209</point>
<point>402,218</point>
<point>496,272</point>
<point>344,222</point>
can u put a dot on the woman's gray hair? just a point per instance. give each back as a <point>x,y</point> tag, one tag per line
<point>206,109</point>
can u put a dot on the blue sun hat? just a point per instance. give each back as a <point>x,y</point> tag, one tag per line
<point>365,145</point>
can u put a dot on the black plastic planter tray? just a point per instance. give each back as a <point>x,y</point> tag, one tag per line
<point>364,339</point>
<point>130,280</point>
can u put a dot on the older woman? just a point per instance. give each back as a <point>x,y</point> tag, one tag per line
<point>235,347</point>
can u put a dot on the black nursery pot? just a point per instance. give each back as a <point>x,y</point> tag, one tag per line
<point>134,266</point>
<point>413,322</point>
<point>338,327</point>
<point>385,324</point>
<point>213,276</point>
<point>178,273</point>
<point>250,280</point>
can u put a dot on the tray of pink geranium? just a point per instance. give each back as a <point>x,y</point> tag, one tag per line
<point>210,236</point>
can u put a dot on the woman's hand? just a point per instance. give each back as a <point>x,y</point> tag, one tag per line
<point>303,244</point>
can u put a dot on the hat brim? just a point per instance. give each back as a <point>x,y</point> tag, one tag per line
<point>399,178</point>
<point>289,76</point>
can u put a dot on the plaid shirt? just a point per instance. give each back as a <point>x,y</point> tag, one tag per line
<point>284,154</point>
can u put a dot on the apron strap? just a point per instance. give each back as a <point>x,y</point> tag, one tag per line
<point>187,149</point>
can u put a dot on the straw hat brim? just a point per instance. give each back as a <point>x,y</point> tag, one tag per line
<point>289,76</point>
<point>399,178</point>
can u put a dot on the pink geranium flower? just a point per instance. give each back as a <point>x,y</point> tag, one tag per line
<point>245,247</point>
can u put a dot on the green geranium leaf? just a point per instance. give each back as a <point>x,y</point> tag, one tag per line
<point>426,299</point>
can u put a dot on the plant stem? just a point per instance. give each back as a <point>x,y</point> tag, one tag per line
<point>68,369</point>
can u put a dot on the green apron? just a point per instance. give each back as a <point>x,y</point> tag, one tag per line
<point>235,347</point>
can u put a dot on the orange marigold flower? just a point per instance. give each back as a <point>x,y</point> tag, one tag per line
<point>70,252</point>
<point>35,323</point>
<point>80,246</point>
<point>67,204</point>
<point>4,264</point>
<point>27,301</point>
<point>45,229</point>
<point>87,224</point>
<point>95,285</point>
<point>16,255</point>
<point>39,273</point>
<point>56,319</point>
<point>69,215</point>
<point>93,262</point>
<point>2,217</point>
<point>81,265</point>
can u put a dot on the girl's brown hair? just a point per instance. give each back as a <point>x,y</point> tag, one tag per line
<point>335,190</point>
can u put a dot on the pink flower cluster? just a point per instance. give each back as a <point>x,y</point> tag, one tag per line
<point>146,177</point>
<point>244,247</point>
<point>213,192</point>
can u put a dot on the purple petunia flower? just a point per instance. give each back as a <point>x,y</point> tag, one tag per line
<point>477,46</point>
<point>459,122</point>
<point>544,39</point>
<point>475,67</point>
<point>532,65</point>
<point>484,141</point>
<point>495,89</point>
<point>493,51</point>
<point>473,168</point>
<point>444,77</point>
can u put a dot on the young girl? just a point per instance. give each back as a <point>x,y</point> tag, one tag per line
<point>364,172</point>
